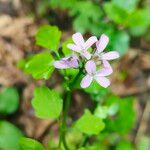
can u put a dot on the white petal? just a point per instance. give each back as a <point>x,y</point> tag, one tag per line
<point>110,55</point>
<point>103,81</point>
<point>86,54</point>
<point>107,67</point>
<point>90,67</point>
<point>78,39</point>
<point>86,81</point>
<point>90,42</point>
<point>60,65</point>
<point>74,47</point>
<point>102,43</point>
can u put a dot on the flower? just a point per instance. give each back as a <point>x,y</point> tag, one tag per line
<point>101,45</point>
<point>67,62</point>
<point>81,46</point>
<point>92,74</point>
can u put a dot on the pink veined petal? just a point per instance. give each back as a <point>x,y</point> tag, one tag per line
<point>74,47</point>
<point>74,62</point>
<point>102,43</point>
<point>107,66</point>
<point>60,64</point>
<point>103,81</point>
<point>78,39</point>
<point>90,67</point>
<point>86,81</point>
<point>110,55</point>
<point>103,72</point>
<point>86,54</point>
<point>90,42</point>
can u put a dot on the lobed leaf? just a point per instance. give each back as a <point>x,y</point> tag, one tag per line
<point>9,100</point>
<point>47,103</point>
<point>48,37</point>
<point>30,144</point>
<point>40,66</point>
<point>89,124</point>
<point>9,136</point>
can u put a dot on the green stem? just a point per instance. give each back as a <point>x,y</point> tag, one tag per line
<point>63,126</point>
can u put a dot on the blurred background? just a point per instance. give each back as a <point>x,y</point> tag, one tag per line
<point>126,22</point>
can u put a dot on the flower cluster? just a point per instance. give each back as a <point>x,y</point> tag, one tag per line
<point>97,62</point>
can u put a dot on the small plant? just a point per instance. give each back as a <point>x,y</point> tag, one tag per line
<point>81,63</point>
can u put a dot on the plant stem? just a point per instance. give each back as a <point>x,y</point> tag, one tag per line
<point>63,126</point>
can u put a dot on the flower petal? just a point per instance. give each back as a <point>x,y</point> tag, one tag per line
<point>61,64</point>
<point>74,47</point>
<point>102,43</point>
<point>103,81</point>
<point>107,67</point>
<point>73,62</point>
<point>86,81</point>
<point>90,67</point>
<point>86,54</point>
<point>90,42</point>
<point>78,39</point>
<point>110,55</point>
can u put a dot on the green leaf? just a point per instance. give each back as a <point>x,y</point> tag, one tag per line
<point>66,51</point>
<point>62,3</point>
<point>9,100</point>
<point>46,103</point>
<point>48,37</point>
<point>124,145</point>
<point>90,17</point>
<point>128,5</point>
<point>139,17</point>
<point>30,144</point>
<point>9,136</point>
<point>73,138</point>
<point>120,42</point>
<point>40,66</point>
<point>89,124</point>
<point>101,112</point>
<point>125,117</point>
<point>115,13</point>
<point>138,30</point>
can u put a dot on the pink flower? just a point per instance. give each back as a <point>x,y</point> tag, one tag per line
<point>81,46</point>
<point>67,62</point>
<point>101,45</point>
<point>92,74</point>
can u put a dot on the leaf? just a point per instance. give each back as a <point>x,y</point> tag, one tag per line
<point>124,145</point>
<point>129,5</point>
<point>115,13</point>
<point>138,30</point>
<point>46,103</point>
<point>125,117</point>
<point>48,37</point>
<point>30,144</point>
<point>89,124</point>
<point>66,51</point>
<point>73,138</point>
<point>80,25</point>
<point>40,66</point>
<point>9,136</point>
<point>139,17</point>
<point>101,112</point>
<point>9,100</point>
<point>90,17</point>
<point>120,42</point>
<point>62,3</point>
